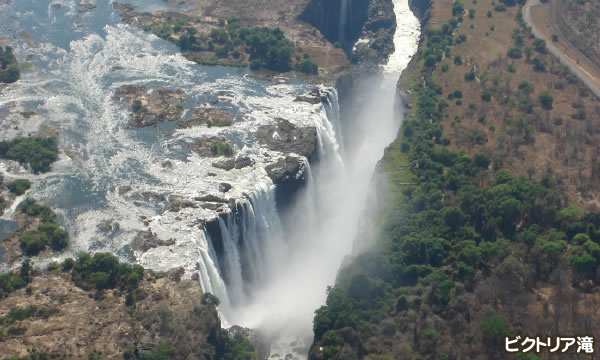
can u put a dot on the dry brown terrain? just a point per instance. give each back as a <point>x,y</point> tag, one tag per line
<point>82,324</point>
<point>513,127</point>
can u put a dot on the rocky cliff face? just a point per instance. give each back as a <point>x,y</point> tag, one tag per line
<point>366,19</point>
<point>167,309</point>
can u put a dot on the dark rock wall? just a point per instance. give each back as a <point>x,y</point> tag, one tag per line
<point>421,10</point>
<point>325,16</point>
<point>370,19</point>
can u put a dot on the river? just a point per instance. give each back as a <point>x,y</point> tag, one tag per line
<point>80,56</point>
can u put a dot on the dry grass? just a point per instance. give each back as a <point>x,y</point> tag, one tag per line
<point>568,147</point>
<point>541,16</point>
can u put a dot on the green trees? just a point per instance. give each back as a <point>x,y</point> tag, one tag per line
<point>457,8</point>
<point>104,271</point>
<point>38,152</point>
<point>268,48</point>
<point>493,330</point>
<point>48,233</point>
<point>14,280</point>
<point>18,186</point>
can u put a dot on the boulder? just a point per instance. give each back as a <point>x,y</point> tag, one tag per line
<point>154,104</point>
<point>287,138</point>
<point>213,146</point>
<point>146,240</point>
<point>224,187</point>
<point>202,116</point>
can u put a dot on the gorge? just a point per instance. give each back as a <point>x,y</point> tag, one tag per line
<point>265,228</point>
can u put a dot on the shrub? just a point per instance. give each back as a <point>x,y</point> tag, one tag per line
<point>222,149</point>
<point>67,264</point>
<point>162,352</point>
<point>457,8</point>
<point>471,13</point>
<point>500,8</point>
<point>14,280</point>
<point>554,37</point>
<point>430,61</point>
<point>470,76</point>
<point>307,66</point>
<point>546,100</point>
<point>486,95</point>
<point>540,45</point>
<point>457,60</point>
<point>18,186</point>
<point>515,53</point>
<point>210,299</point>
<point>539,64</point>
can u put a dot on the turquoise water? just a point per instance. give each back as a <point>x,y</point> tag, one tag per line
<point>79,59</point>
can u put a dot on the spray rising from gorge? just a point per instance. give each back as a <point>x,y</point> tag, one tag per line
<point>269,267</point>
<point>276,266</point>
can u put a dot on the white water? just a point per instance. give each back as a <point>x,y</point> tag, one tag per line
<point>267,277</point>
<point>343,20</point>
<point>321,227</point>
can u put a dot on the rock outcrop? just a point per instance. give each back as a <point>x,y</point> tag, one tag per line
<point>366,19</point>
<point>167,308</point>
<point>151,105</point>
<point>287,138</point>
<point>146,240</point>
<point>203,116</point>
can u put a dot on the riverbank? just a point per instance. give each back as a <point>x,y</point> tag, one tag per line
<point>464,252</point>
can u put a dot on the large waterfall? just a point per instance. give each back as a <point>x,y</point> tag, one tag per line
<point>269,269</point>
<point>276,275</point>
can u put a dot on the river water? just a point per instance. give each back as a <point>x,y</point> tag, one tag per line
<point>80,56</point>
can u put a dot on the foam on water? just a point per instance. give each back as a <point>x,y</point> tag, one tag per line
<point>72,90</point>
<point>266,275</point>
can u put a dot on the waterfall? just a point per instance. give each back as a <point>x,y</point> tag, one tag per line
<point>332,110</point>
<point>343,19</point>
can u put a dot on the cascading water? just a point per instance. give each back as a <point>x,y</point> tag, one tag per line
<point>343,21</point>
<point>267,276</point>
<point>322,224</point>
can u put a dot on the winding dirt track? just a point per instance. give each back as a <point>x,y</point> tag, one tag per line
<point>591,80</point>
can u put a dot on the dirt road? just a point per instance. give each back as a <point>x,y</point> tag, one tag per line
<point>583,73</point>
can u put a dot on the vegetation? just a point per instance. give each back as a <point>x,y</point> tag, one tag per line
<point>104,271</point>
<point>38,152</point>
<point>48,233</point>
<point>221,149</point>
<point>18,186</point>
<point>15,280</point>
<point>238,347</point>
<point>234,44</point>
<point>162,352</point>
<point>9,67</point>
<point>460,239</point>
<point>21,313</point>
